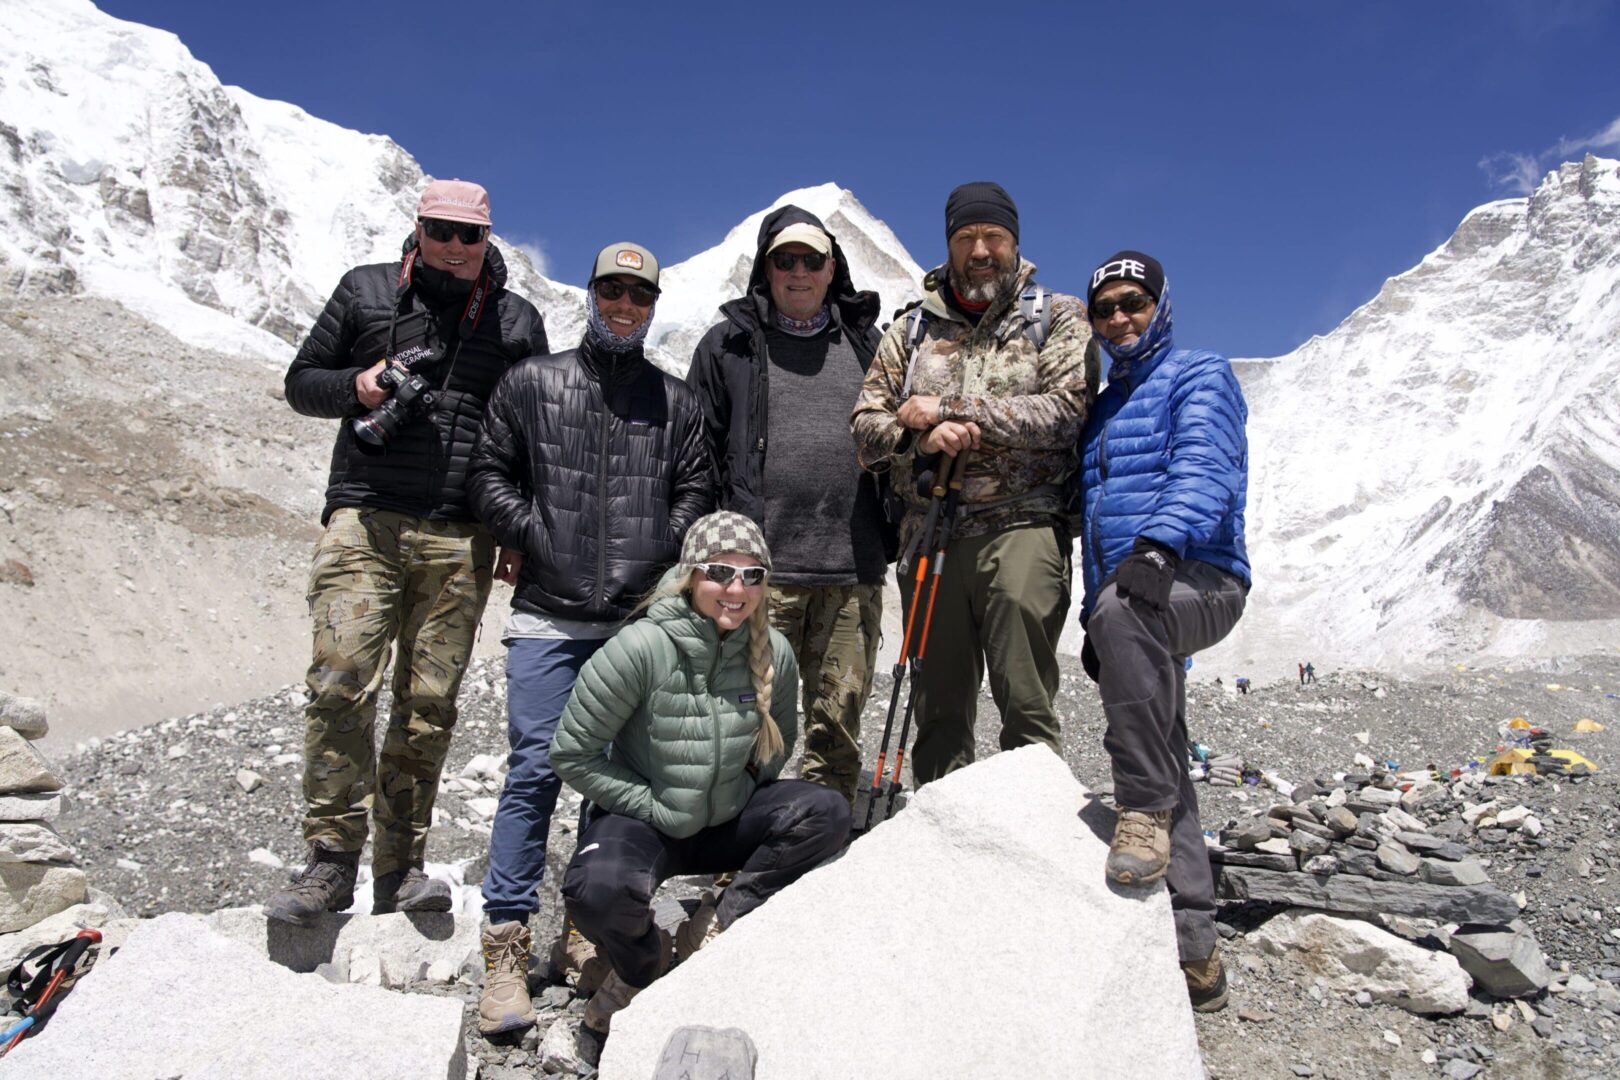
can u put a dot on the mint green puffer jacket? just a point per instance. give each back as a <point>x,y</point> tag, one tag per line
<point>661,722</point>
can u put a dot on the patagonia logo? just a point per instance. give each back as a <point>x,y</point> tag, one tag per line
<point>640,423</point>
<point>627,258</point>
<point>747,698</point>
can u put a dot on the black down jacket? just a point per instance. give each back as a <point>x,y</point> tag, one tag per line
<point>423,471</point>
<point>593,465</point>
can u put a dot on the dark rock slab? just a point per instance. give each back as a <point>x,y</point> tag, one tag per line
<point>1352,894</point>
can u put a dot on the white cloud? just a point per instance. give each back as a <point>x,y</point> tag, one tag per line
<point>532,250</point>
<point>1519,173</point>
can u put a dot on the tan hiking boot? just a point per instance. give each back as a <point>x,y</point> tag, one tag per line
<point>504,1004</point>
<point>614,993</point>
<point>1206,983</point>
<point>1140,853</point>
<point>700,928</point>
<point>574,961</point>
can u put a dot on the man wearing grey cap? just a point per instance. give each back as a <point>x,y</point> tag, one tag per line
<point>591,464</point>
<point>403,356</point>
<point>776,377</point>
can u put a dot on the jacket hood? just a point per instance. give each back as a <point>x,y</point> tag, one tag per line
<point>856,308</point>
<point>492,258</point>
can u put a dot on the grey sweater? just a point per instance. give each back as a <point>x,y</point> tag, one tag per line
<point>820,531</point>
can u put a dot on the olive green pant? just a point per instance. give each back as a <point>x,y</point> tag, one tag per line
<point>381,578</point>
<point>1002,600</point>
<point>834,631</point>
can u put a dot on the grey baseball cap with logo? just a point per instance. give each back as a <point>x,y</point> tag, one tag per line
<point>626,258</point>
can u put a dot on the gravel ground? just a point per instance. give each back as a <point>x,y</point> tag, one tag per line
<point>167,802</point>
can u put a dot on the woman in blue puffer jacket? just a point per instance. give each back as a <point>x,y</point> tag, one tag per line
<point>1163,477</point>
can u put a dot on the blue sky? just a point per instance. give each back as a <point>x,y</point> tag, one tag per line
<point>1281,158</point>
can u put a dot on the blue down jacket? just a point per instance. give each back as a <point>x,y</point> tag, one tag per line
<point>1164,455</point>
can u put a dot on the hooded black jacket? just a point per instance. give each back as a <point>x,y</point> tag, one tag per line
<point>423,470</point>
<point>593,465</point>
<point>729,372</point>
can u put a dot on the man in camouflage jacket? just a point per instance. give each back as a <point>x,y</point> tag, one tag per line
<point>976,380</point>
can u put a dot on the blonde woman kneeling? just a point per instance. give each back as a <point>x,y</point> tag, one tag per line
<point>675,733</point>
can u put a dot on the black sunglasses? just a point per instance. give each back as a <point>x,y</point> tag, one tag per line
<point>610,290</point>
<point>784,260</point>
<point>721,573</point>
<point>440,230</point>
<point>1131,303</point>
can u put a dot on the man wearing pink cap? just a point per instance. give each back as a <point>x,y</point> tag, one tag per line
<point>404,357</point>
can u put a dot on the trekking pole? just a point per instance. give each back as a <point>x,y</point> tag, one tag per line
<point>951,490</point>
<point>924,537</point>
<point>62,966</point>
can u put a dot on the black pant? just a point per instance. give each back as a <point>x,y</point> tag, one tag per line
<point>788,828</point>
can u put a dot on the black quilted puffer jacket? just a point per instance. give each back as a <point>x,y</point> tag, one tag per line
<point>423,471</point>
<point>593,465</point>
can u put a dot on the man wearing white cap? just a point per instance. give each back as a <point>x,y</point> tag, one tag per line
<point>776,377</point>
<point>404,356</point>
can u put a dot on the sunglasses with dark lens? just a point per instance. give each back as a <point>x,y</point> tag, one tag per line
<point>440,230</point>
<point>785,260</point>
<point>640,295</point>
<point>1131,303</point>
<point>721,573</point>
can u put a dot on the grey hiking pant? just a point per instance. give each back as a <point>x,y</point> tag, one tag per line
<point>1143,681</point>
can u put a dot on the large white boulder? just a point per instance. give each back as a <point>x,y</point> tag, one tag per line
<point>32,841</point>
<point>30,892</point>
<point>971,935</point>
<point>1353,956</point>
<point>180,1000</point>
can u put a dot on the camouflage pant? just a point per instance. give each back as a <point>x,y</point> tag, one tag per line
<point>834,631</point>
<point>381,577</point>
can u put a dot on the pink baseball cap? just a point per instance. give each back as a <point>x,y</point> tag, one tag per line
<point>455,200</point>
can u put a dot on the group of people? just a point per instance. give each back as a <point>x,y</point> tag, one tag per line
<point>695,562</point>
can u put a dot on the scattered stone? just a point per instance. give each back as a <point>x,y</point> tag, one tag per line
<point>31,891</point>
<point>174,966</point>
<point>1341,821</point>
<point>1466,872</point>
<point>1351,955</point>
<point>1321,865</point>
<point>386,950</point>
<point>44,807</point>
<point>178,751</point>
<point>1391,1037</point>
<point>128,864</point>
<point>1353,895</point>
<point>266,857</point>
<point>1458,1069</point>
<point>706,1053</point>
<point>1250,836</point>
<point>1397,860</point>
<point>23,715</point>
<point>1513,818</point>
<point>559,1055</point>
<point>1306,844</point>
<point>32,842</point>
<point>1250,1015</point>
<point>21,767</point>
<point>1275,846</point>
<point>249,781</point>
<point>1505,961</point>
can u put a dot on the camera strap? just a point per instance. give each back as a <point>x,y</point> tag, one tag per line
<point>470,312</point>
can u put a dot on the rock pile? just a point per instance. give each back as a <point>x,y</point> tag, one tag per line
<point>1397,848</point>
<point>38,877</point>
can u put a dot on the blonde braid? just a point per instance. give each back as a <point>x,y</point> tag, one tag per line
<point>768,743</point>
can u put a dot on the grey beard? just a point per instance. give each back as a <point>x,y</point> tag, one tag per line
<point>998,286</point>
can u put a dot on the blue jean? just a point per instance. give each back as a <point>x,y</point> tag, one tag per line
<point>540,674</point>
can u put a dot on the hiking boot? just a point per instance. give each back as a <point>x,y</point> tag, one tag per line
<point>1140,853</point>
<point>408,890</point>
<point>326,884</point>
<point>574,960</point>
<point>1206,983</point>
<point>700,928</point>
<point>504,1004</point>
<point>614,993</point>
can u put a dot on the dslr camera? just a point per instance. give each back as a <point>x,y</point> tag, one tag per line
<point>410,397</point>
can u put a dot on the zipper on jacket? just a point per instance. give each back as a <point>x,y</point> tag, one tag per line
<point>602,498</point>
<point>1102,479</point>
<point>714,720</point>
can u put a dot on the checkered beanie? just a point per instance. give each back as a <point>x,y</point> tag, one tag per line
<point>720,532</point>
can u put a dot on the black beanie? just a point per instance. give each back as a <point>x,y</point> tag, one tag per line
<point>980,203</point>
<point>1128,266</point>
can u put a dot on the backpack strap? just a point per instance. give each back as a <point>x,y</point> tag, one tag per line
<point>1035,304</point>
<point>916,327</point>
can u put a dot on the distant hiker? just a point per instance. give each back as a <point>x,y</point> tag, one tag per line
<point>591,467</point>
<point>404,355</point>
<point>1310,672</point>
<point>776,377</point>
<point>994,363</point>
<point>676,733</point>
<point>1243,685</point>
<point>1302,674</point>
<point>1164,475</point>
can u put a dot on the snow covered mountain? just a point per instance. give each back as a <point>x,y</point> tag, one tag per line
<point>128,172</point>
<point>1439,477</point>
